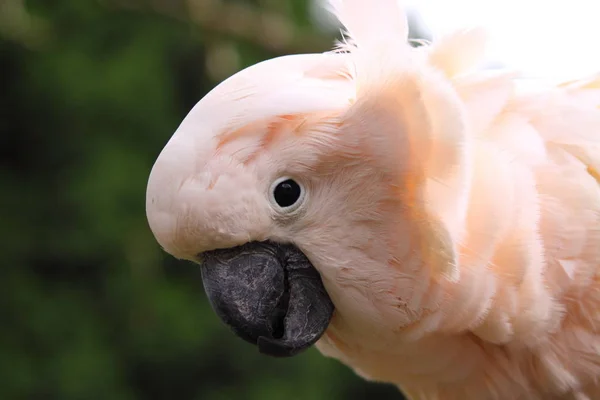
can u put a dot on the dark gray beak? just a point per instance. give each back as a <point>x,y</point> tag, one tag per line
<point>269,294</point>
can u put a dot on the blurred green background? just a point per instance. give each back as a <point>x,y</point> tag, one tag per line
<point>90,92</point>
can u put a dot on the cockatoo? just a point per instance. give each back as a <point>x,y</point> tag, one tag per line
<point>428,223</point>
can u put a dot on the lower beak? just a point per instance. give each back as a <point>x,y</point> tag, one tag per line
<point>269,294</point>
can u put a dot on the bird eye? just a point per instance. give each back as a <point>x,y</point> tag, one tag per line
<point>287,193</point>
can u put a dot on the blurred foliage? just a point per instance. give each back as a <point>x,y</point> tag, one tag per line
<point>90,91</point>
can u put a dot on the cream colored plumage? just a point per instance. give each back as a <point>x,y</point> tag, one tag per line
<point>453,213</point>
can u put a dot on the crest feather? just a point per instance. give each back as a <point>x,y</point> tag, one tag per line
<point>376,36</point>
<point>368,22</point>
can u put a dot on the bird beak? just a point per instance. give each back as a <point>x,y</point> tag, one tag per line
<point>269,294</point>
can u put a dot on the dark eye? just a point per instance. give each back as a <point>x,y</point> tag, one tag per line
<point>287,193</point>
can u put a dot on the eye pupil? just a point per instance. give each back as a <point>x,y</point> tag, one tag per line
<point>287,193</point>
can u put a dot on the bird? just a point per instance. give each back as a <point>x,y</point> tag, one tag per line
<point>429,223</point>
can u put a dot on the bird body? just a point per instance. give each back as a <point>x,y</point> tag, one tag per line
<point>452,212</point>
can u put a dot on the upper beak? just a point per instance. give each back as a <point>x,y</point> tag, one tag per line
<point>269,294</point>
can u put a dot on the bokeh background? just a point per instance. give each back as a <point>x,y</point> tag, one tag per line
<point>91,308</point>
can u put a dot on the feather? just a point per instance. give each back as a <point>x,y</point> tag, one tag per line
<point>459,52</point>
<point>383,22</point>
